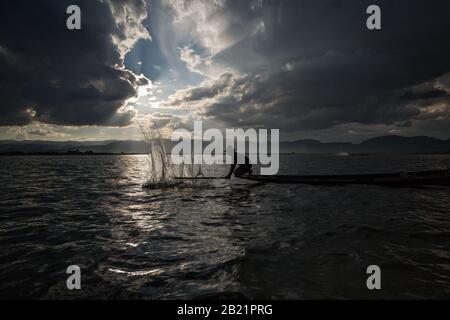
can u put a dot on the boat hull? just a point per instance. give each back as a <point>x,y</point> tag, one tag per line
<point>437,177</point>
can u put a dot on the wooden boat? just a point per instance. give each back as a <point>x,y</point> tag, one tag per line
<point>436,177</point>
<point>199,178</point>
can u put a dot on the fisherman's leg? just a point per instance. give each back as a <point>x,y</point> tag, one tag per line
<point>243,170</point>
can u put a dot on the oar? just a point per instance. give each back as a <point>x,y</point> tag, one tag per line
<point>199,178</point>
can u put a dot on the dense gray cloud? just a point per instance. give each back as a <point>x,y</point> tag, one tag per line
<point>312,65</point>
<point>52,75</point>
<point>298,65</point>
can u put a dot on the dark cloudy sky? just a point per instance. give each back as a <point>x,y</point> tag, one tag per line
<point>307,67</point>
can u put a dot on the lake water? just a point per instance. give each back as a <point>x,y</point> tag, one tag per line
<point>219,239</point>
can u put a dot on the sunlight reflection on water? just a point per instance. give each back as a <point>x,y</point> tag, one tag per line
<point>227,239</point>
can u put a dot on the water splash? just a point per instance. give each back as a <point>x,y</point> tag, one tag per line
<point>162,173</point>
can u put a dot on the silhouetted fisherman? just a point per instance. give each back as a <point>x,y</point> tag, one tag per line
<point>243,169</point>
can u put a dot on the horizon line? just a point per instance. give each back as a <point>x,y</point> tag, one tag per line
<point>283,141</point>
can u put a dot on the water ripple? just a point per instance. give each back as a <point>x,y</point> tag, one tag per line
<point>219,239</point>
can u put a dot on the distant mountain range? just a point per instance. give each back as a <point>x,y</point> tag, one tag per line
<point>385,144</point>
<point>110,146</point>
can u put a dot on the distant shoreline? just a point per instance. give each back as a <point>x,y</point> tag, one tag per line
<point>379,145</point>
<point>89,153</point>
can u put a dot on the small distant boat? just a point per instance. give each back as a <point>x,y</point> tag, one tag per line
<point>342,154</point>
<point>406,179</point>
